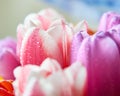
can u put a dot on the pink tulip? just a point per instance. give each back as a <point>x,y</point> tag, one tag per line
<point>50,80</point>
<point>109,20</point>
<point>8,58</point>
<point>44,35</point>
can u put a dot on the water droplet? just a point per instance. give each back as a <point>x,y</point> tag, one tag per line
<point>38,42</point>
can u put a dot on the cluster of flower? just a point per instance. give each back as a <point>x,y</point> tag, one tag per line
<point>55,58</point>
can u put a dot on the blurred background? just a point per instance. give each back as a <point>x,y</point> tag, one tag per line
<point>13,12</point>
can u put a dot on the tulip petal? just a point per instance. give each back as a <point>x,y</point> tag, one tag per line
<point>77,77</point>
<point>76,42</point>
<point>62,34</point>
<point>115,34</point>
<point>24,72</point>
<point>4,92</point>
<point>7,85</point>
<point>50,65</point>
<point>50,13</point>
<point>45,22</point>
<point>32,20</point>
<point>80,82</point>
<point>81,26</point>
<point>6,88</point>
<point>8,62</point>
<point>8,42</point>
<point>33,89</point>
<point>20,34</point>
<point>108,20</point>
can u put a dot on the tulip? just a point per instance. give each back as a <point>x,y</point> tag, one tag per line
<point>100,54</point>
<point>49,79</point>
<point>43,35</point>
<point>108,20</point>
<point>6,88</point>
<point>8,58</point>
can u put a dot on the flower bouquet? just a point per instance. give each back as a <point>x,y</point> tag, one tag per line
<point>52,57</point>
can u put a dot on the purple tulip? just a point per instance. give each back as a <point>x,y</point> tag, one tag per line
<point>100,54</point>
<point>8,58</point>
<point>109,20</point>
